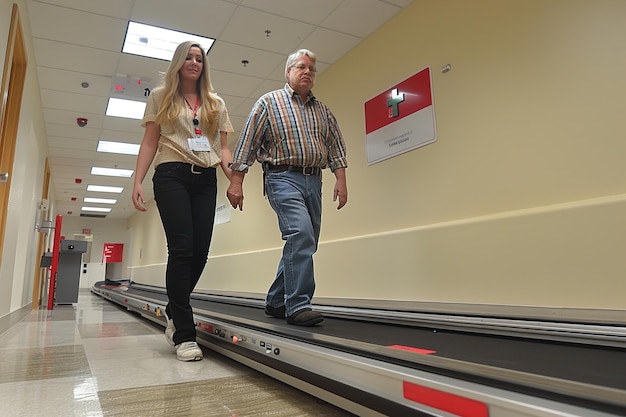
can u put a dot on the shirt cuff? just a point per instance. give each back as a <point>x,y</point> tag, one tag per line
<point>237,166</point>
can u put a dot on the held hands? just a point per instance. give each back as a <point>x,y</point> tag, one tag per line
<point>138,198</point>
<point>235,190</point>
<point>235,195</point>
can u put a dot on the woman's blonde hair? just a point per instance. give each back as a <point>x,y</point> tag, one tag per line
<point>173,103</point>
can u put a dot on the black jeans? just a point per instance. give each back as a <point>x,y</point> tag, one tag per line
<point>186,198</point>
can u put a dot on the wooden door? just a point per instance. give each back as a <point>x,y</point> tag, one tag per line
<point>13,77</point>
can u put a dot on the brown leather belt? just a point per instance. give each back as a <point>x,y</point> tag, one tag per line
<point>301,170</point>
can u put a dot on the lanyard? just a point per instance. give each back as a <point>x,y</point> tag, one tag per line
<point>196,123</point>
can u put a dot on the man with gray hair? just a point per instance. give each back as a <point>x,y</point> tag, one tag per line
<point>294,136</point>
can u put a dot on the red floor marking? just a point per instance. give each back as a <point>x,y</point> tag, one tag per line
<point>444,401</point>
<point>412,349</point>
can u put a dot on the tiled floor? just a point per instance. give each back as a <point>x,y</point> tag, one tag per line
<point>96,359</point>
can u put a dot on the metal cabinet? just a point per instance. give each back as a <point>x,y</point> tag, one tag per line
<point>68,271</point>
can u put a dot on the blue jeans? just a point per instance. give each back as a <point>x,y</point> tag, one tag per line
<point>186,202</point>
<point>297,200</point>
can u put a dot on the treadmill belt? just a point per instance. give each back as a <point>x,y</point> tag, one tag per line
<point>585,363</point>
<point>566,368</point>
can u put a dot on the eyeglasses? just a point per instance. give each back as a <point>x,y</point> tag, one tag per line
<point>302,67</point>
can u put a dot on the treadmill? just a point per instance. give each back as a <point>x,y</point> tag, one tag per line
<point>380,362</point>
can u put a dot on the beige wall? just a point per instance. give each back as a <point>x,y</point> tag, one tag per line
<point>521,201</point>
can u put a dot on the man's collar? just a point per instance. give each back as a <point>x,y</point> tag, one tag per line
<point>291,92</point>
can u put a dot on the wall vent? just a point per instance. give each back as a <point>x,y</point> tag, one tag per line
<point>95,216</point>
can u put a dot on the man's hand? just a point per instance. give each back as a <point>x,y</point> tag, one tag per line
<point>342,194</point>
<point>234,193</point>
<point>341,189</point>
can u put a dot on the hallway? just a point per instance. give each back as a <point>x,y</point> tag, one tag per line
<point>95,359</point>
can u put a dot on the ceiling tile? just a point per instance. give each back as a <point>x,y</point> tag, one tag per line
<point>313,12</point>
<point>205,18</point>
<point>85,156</point>
<point>148,69</point>
<point>83,105</point>
<point>223,82</point>
<point>329,45</point>
<point>57,79</point>
<point>286,34</point>
<point>122,136</point>
<point>359,17</point>
<point>113,8</point>
<point>65,119</point>
<point>55,54</point>
<point>76,27</point>
<point>61,142</point>
<point>72,132</point>
<point>228,57</point>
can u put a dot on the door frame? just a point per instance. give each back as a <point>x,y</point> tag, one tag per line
<point>11,91</point>
<point>40,274</point>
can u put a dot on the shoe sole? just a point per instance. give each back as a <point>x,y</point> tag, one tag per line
<point>170,339</point>
<point>194,359</point>
<point>274,314</point>
<point>307,323</point>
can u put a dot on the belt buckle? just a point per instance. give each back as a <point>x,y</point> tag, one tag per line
<point>308,170</point>
<point>194,172</point>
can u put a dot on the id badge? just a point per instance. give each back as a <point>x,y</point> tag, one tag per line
<point>199,144</point>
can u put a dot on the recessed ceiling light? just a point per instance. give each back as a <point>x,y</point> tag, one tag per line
<point>118,147</point>
<point>105,189</point>
<point>99,200</point>
<point>112,172</point>
<point>129,109</point>
<point>156,42</point>
<point>98,209</point>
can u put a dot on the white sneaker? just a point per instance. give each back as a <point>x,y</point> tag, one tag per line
<point>169,331</point>
<point>188,351</point>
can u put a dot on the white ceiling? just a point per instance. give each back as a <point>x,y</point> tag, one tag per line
<point>78,41</point>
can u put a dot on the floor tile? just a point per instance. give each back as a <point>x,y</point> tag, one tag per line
<point>96,359</point>
<point>253,395</point>
<point>116,329</point>
<point>30,364</point>
<point>62,397</point>
<point>40,334</point>
<point>139,361</point>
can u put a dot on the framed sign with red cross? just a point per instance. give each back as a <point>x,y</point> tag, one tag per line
<point>400,119</point>
<point>112,252</point>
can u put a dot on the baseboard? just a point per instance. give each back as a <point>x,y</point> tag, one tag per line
<point>9,320</point>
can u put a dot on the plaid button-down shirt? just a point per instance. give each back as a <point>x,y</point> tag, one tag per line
<point>281,129</point>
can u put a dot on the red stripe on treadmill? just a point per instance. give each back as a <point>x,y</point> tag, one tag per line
<point>412,349</point>
<point>444,401</point>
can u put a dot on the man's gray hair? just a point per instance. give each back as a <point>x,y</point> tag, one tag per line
<point>291,59</point>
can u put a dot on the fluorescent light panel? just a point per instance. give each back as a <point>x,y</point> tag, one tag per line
<point>105,189</point>
<point>129,109</point>
<point>118,147</point>
<point>112,172</point>
<point>156,42</point>
<point>98,209</point>
<point>99,200</point>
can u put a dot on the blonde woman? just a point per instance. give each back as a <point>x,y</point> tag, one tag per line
<point>186,126</point>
